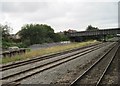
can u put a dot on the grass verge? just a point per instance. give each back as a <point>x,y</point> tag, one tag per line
<point>44,51</point>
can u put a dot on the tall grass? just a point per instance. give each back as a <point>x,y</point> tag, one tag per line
<point>44,51</point>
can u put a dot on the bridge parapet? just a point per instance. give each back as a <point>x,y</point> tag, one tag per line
<point>114,31</point>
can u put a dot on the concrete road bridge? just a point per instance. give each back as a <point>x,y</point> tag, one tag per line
<point>96,34</point>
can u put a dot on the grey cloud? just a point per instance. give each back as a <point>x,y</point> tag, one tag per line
<point>22,7</point>
<point>119,14</point>
<point>63,15</point>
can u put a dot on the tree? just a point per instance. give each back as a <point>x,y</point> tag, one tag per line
<point>39,33</point>
<point>5,35</point>
<point>90,28</point>
<point>36,33</point>
<point>4,29</point>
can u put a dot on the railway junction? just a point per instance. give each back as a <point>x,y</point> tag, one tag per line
<point>92,65</point>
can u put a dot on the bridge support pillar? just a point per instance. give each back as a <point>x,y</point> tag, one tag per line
<point>104,38</point>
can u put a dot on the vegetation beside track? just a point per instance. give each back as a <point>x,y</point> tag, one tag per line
<point>44,51</point>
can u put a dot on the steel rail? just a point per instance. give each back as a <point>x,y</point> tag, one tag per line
<point>79,77</point>
<point>107,66</point>
<point>45,64</point>
<point>17,80</point>
<point>14,65</point>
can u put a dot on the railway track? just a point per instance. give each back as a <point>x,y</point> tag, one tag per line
<point>95,73</point>
<point>22,63</point>
<point>111,75</point>
<point>17,77</point>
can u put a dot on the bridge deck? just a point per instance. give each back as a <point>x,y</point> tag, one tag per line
<point>95,32</point>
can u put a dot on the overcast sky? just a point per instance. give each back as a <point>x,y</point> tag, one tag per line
<point>60,15</point>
